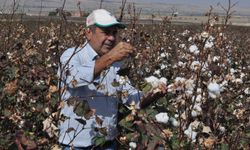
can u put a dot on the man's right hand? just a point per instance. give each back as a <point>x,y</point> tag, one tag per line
<point>121,51</point>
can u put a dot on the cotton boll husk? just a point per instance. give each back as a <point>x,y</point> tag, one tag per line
<point>162,117</point>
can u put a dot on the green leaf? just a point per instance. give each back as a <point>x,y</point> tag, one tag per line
<point>224,147</point>
<point>99,140</point>
<point>81,108</point>
<point>103,130</point>
<point>127,125</point>
<point>115,83</point>
<point>147,88</point>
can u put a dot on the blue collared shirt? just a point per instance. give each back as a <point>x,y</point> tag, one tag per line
<point>77,80</point>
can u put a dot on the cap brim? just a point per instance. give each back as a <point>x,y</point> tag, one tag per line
<point>117,24</point>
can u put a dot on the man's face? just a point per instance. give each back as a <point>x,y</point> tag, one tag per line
<point>102,40</point>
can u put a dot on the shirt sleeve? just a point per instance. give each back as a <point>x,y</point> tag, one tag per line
<point>77,69</point>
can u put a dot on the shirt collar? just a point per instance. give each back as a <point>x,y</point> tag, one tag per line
<point>91,52</point>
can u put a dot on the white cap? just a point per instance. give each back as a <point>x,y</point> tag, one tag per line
<point>102,18</point>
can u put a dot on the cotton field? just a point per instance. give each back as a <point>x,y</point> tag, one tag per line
<point>205,68</point>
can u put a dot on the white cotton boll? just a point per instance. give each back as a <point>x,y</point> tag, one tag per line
<point>213,89</point>
<point>182,46</point>
<point>189,85</point>
<point>205,34</point>
<point>163,80</point>
<point>132,144</point>
<point>163,55</point>
<point>194,113</point>
<point>196,110</point>
<point>174,122</point>
<point>170,88</point>
<point>122,80</point>
<point>191,134</point>
<point>39,42</point>
<point>181,64</point>
<point>162,117</point>
<point>247,91</point>
<point>186,32</point>
<point>194,49</point>
<point>222,129</point>
<point>198,98</point>
<point>242,75</point>
<point>197,107</point>
<point>209,43</point>
<point>154,81</point>
<point>238,81</point>
<point>179,79</point>
<point>163,66</point>
<point>216,58</point>
<point>190,39</point>
<point>157,72</point>
<point>195,65</point>
<point>232,71</point>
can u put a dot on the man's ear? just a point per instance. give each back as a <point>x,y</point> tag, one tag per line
<point>88,34</point>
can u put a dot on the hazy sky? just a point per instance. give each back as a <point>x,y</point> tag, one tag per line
<point>183,6</point>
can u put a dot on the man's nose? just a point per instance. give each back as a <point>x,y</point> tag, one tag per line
<point>111,37</point>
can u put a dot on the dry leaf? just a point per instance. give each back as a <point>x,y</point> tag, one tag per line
<point>21,139</point>
<point>53,89</point>
<point>209,142</point>
<point>206,129</point>
<point>167,133</point>
<point>98,120</point>
<point>74,83</point>
<point>56,147</point>
<point>11,87</point>
<point>43,141</point>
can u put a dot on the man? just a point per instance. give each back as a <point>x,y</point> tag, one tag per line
<point>89,78</point>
